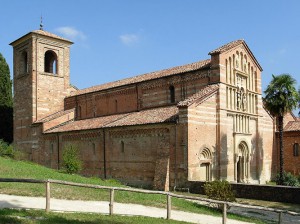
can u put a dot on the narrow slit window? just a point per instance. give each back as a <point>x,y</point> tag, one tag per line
<point>116,105</point>
<point>52,148</point>
<point>94,148</point>
<point>79,112</point>
<point>172,94</point>
<point>24,63</point>
<point>122,147</point>
<point>296,149</point>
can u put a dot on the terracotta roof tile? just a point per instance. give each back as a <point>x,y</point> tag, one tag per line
<point>226,47</point>
<point>148,76</point>
<point>53,116</point>
<point>202,94</point>
<point>151,116</point>
<point>45,33</point>
<point>292,126</point>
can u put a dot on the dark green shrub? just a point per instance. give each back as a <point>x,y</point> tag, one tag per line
<point>71,159</point>
<point>7,150</point>
<point>288,179</point>
<point>219,190</point>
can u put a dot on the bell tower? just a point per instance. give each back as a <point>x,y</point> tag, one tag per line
<point>41,82</point>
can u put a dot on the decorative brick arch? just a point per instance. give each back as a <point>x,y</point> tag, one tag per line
<point>205,162</point>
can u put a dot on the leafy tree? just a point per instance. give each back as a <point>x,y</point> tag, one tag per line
<point>6,110</point>
<point>71,159</point>
<point>299,102</point>
<point>281,97</point>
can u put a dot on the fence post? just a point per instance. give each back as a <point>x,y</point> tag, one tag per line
<point>169,206</point>
<point>47,196</point>
<point>224,221</point>
<point>111,202</point>
<point>280,218</point>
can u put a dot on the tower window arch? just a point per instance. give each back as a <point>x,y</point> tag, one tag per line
<point>50,62</point>
<point>172,94</point>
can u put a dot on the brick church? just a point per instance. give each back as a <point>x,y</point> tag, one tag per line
<point>195,122</point>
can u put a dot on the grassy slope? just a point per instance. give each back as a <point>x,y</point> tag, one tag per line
<point>18,169</point>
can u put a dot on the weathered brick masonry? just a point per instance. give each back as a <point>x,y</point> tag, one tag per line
<point>291,141</point>
<point>200,121</point>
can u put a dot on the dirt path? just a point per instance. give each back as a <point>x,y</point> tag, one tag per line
<point>11,201</point>
<point>267,216</point>
<point>270,217</point>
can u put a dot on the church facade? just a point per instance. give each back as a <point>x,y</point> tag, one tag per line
<point>195,122</point>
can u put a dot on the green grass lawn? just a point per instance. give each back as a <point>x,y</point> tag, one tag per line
<point>18,169</point>
<point>13,216</point>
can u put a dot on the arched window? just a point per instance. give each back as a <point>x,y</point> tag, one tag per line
<point>24,63</point>
<point>172,94</point>
<point>242,62</point>
<point>230,71</point>
<point>50,62</point>
<point>254,81</point>
<point>296,149</point>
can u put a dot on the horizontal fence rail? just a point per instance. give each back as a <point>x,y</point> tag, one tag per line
<point>169,195</point>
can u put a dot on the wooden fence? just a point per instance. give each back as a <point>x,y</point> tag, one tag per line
<point>169,196</point>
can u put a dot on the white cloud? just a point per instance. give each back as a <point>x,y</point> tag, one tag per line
<point>129,39</point>
<point>71,33</point>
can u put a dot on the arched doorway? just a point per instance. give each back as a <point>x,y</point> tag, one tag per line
<point>242,163</point>
<point>205,159</point>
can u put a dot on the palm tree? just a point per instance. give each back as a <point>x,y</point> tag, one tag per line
<point>280,98</point>
<point>299,102</point>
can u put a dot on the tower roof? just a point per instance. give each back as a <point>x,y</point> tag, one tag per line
<point>42,33</point>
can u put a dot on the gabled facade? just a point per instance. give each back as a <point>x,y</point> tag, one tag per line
<point>201,121</point>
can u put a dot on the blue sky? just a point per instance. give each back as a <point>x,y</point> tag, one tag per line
<point>118,39</point>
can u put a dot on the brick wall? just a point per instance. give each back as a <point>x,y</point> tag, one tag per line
<point>291,162</point>
<point>259,192</point>
<point>138,156</point>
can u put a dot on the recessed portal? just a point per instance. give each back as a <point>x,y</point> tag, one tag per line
<point>242,163</point>
<point>205,164</point>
